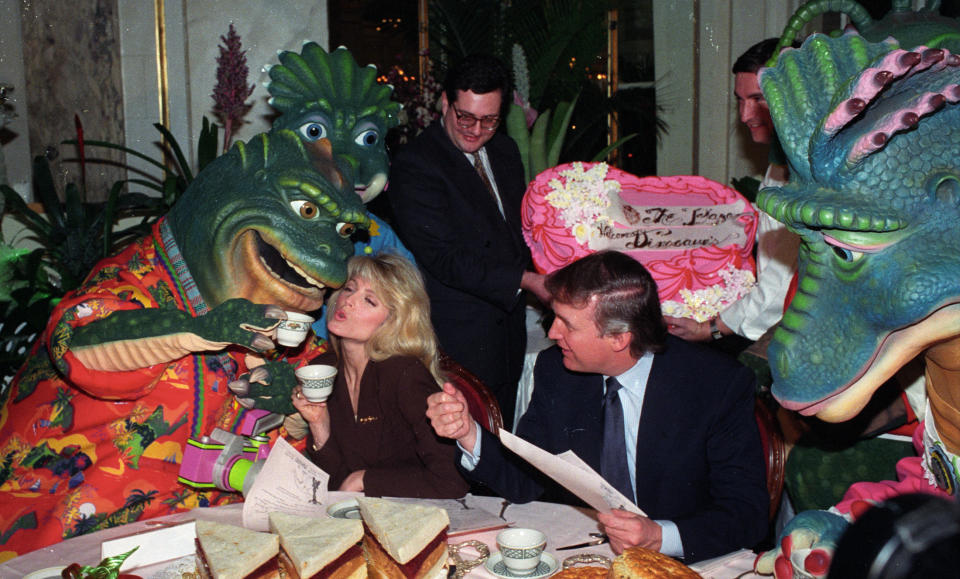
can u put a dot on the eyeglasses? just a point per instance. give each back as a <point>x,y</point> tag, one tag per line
<point>467,120</point>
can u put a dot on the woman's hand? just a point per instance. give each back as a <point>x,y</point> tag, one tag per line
<point>317,416</point>
<point>353,482</point>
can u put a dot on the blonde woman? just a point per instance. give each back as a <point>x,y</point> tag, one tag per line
<point>372,434</point>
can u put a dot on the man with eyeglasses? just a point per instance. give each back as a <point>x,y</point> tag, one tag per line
<point>455,192</point>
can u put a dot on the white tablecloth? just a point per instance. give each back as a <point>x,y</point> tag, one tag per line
<point>563,524</point>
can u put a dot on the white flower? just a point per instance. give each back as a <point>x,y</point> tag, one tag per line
<point>582,197</point>
<point>706,303</point>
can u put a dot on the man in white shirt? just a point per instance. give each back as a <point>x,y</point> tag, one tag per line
<point>668,423</point>
<point>777,247</point>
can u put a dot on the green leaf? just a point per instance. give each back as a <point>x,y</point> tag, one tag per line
<point>538,144</point>
<point>517,129</point>
<point>109,214</point>
<point>126,150</point>
<point>207,148</point>
<point>46,193</point>
<point>558,131</point>
<point>16,205</point>
<point>9,257</point>
<point>178,153</point>
<point>606,150</point>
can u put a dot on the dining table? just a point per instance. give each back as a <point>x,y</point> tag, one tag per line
<point>564,525</point>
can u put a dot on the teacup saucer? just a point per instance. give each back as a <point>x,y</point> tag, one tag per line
<point>347,509</point>
<point>548,566</point>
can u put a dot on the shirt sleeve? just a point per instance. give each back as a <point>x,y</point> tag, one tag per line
<point>755,313</point>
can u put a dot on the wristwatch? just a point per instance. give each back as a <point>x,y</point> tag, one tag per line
<point>714,330</point>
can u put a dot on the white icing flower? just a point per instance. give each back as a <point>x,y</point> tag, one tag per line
<point>582,197</point>
<point>704,304</point>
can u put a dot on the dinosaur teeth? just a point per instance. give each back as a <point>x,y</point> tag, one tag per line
<point>306,276</point>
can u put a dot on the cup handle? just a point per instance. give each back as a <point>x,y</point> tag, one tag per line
<point>464,566</point>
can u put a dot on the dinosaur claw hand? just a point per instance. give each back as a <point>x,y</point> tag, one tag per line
<point>275,313</point>
<point>241,386</point>
<point>267,387</point>
<point>805,547</point>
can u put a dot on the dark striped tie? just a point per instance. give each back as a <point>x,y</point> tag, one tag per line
<point>478,165</point>
<point>613,462</point>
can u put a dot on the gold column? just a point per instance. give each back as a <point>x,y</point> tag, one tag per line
<point>612,81</point>
<point>423,37</point>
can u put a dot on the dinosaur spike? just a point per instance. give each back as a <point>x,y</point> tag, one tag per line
<point>909,59</point>
<point>909,120</point>
<point>883,78</point>
<point>936,101</point>
<point>933,55</point>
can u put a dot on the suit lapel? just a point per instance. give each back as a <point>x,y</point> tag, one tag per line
<point>468,182</point>
<point>655,410</point>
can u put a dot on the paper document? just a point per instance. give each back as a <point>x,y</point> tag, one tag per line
<point>576,476</point>
<point>463,519</point>
<point>288,483</point>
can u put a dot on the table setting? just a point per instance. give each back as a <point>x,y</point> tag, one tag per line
<point>569,534</point>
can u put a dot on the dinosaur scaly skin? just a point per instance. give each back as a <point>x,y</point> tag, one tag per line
<point>142,355</point>
<point>279,237</point>
<point>872,136</point>
<point>925,26</point>
<point>324,95</point>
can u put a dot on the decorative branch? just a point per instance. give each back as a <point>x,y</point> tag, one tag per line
<point>231,90</point>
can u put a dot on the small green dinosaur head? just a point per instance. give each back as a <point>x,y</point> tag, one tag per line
<point>872,136</point>
<point>328,96</point>
<point>268,221</point>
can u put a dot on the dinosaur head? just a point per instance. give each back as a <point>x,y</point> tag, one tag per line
<point>324,95</point>
<point>872,136</point>
<point>268,221</point>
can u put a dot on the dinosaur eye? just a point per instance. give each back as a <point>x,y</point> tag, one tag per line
<point>346,229</point>
<point>306,209</point>
<point>367,138</point>
<point>313,131</point>
<point>845,254</point>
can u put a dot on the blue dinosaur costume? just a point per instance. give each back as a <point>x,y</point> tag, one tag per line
<point>874,193</point>
<point>139,358</point>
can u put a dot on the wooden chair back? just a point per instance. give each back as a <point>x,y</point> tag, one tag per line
<point>480,400</point>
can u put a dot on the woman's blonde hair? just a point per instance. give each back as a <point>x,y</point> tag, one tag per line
<point>407,329</point>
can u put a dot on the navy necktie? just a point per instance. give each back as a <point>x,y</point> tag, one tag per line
<point>613,462</point>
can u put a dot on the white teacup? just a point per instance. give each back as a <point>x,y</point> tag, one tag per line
<point>521,549</point>
<point>316,381</point>
<point>293,330</point>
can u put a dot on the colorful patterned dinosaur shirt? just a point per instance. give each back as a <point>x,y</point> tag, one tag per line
<point>81,449</point>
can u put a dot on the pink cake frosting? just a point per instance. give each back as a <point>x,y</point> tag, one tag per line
<point>694,235</point>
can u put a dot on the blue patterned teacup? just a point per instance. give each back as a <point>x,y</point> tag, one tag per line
<point>316,381</point>
<point>293,330</point>
<point>521,549</point>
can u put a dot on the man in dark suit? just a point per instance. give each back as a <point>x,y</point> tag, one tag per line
<point>455,193</point>
<point>674,429</point>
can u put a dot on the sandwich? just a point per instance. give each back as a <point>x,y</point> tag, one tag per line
<point>404,540</point>
<point>319,548</point>
<point>232,552</point>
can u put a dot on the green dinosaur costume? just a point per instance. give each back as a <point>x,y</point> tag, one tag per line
<point>874,193</point>
<point>323,95</point>
<point>924,26</point>
<point>139,358</point>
